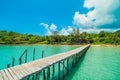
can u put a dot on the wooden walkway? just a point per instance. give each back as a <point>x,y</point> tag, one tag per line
<point>21,71</point>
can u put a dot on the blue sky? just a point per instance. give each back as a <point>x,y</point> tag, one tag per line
<point>32,16</point>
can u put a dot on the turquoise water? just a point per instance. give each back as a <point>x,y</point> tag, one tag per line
<point>99,63</point>
<point>8,52</point>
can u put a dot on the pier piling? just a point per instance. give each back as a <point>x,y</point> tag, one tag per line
<point>53,73</point>
<point>58,70</point>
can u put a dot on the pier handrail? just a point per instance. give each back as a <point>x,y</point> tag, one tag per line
<point>24,53</point>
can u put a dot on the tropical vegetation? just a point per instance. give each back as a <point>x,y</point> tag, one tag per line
<point>74,38</point>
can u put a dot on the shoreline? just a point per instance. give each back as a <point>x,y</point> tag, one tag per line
<point>39,44</point>
<point>106,45</point>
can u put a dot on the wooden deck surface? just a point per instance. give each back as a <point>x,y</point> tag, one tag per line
<point>23,70</point>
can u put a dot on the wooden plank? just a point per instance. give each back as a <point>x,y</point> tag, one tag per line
<point>35,67</point>
<point>23,70</point>
<point>12,74</point>
<point>32,67</point>
<point>16,73</point>
<point>40,64</point>
<point>1,78</point>
<point>26,69</point>
<point>5,77</point>
<point>19,71</point>
<point>9,75</point>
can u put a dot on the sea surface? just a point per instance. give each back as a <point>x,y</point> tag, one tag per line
<point>99,62</point>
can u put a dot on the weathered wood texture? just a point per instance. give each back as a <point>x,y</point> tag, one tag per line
<point>24,70</point>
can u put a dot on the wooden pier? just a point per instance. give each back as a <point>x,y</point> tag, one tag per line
<point>33,69</point>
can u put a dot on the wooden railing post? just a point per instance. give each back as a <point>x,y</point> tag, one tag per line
<point>24,53</point>
<point>8,65</point>
<point>42,53</point>
<point>13,61</point>
<point>26,57</point>
<point>20,60</point>
<point>34,54</point>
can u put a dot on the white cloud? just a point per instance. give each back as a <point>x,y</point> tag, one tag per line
<point>102,14</point>
<point>95,30</point>
<point>49,32</point>
<point>67,31</point>
<point>50,28</point>
<point>47,28</point>
<point>53,27</point>
<point>64,32</point>
<point>44,25</point>
<point>70,29</point>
